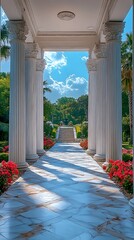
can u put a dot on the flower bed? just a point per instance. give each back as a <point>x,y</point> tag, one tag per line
<point>84,144</point>
<point>48,143</point>
<point>8,174</point>
<point>127,155</point>
<point>122,173</point>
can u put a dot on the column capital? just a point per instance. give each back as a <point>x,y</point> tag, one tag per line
<point>100,50</point>
<point>113,30</point>
<point>17,30</point>
<point>31,50</point>
<point>40,64</point>
<point>91,64</point>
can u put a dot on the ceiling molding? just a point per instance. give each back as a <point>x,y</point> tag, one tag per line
<point>67,42</point>
<point>66,33</point>
<point>104,14</point>
<point>29,16</point>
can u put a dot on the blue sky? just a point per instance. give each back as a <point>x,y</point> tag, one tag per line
<point>66,72</point>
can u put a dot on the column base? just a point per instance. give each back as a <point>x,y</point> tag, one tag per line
<point>131,203</point>
<point>41,152</point>
<point>22,166</point>
<point>99,157</point>
<point>31,158</point>
<point>91,151</point>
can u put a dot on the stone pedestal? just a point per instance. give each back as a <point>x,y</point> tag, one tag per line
<point>91,64</point>
<point>100,52</point>
<point>112,31</point>
<point>17,121</point>
<point>40,64</point>
<point>30,66</point>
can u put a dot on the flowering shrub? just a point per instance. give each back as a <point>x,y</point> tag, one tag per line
<point>5,149</point>
<point>127,151</point>
<point>8,173</point>
<point>122,173</point>
<point>84,144</point>
<point>127,155</point>
<point>48,143</point>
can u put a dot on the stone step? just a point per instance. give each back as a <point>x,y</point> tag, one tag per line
<point>66,134</point>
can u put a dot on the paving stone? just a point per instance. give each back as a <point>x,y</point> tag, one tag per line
<point>65,195</point>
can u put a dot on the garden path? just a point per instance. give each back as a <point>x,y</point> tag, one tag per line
<point>65,195</point>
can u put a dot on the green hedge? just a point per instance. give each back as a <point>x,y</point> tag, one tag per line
<point>4,129</point>
<point>3,156</point>
<point>127,157</point>
<point>3,143</point>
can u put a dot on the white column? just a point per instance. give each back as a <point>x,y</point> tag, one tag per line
<point>100,52</point>
<point>132,200</point>
<point>91,64</point>
<point>17,122</point>
<point>40,65</point>
<point>112,31</point>
<point>30,63</point>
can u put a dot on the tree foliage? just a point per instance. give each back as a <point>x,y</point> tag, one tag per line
<point>67,109</point>
<point>4,42</point>
<point>126,70</point>
<point>4,97</point>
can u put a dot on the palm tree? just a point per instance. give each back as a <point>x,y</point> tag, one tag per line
<point>126,64</point>
<point>4,42</point>
<point>45,88</point>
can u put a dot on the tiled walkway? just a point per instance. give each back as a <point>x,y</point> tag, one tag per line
<point>65,196</point>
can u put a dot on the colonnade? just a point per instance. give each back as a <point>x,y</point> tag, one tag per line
<point>105,97</point>
<point>26,98</point>
<point>105,114</point>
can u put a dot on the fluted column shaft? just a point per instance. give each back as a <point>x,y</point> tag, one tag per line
<point>40,64</point>
<point>30,63</point>
<point>100,52</point>
<point>17,122</point>
<point>91,64</point>
<point>113,32</point>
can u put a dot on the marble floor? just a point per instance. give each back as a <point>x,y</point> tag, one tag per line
<point>65,196</point>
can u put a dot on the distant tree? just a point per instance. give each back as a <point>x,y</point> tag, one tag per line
<point>4,98</point>
<point>126,65</point>
<point>4,42</point>
<point>65,100</point>
<point>125,104</point>
<point>45,87</point>
<point>83,107</point>
<point>48,109</point>
<point>68,109</point>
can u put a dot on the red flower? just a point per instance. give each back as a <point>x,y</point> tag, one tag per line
<point>122,172</point>
<point>84,144</point>
<point>8,173</point>
<point>48,143</point>
<point>104,167</point>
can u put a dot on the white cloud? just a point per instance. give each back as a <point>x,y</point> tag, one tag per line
<point>61,87</point>
<point>69,84</point>
<point>55,60</point>
<point>72,79</point>
<point>84,58</point>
